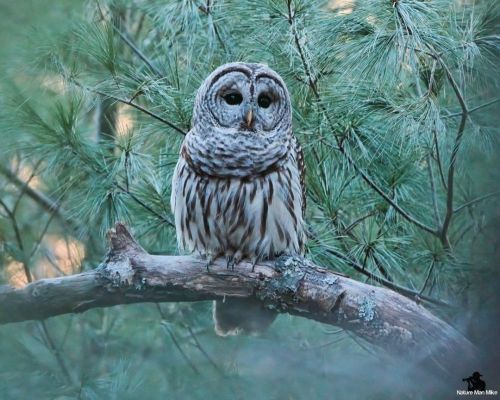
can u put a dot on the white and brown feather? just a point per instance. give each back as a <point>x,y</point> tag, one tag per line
<point>258,217</point>
<point>238,189</point>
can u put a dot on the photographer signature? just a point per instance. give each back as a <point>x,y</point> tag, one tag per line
<point>474,382</point>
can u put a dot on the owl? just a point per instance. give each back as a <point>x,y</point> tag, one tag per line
<point>238,186</point>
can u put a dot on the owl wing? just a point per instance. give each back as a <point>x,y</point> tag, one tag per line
<point>301,165</point>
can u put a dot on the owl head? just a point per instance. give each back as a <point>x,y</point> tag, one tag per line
<point>241,121</point>
<point>243,97</point>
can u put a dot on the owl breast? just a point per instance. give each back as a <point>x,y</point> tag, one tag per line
<point>257,217</point>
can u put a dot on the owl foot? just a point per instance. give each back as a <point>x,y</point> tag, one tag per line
<point>254,262</point>
<point>236,259</point>
<point>210,262</point>
<point>233,260</point>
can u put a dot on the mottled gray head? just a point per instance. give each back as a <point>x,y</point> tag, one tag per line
<point>242,121</point>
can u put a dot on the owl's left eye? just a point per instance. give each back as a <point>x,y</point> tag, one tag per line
<point>264,100</point>
<point>233,98</point>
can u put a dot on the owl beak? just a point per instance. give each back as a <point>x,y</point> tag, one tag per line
<point>249,118</point>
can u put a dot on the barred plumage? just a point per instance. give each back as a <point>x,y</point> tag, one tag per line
<point>237,189</point>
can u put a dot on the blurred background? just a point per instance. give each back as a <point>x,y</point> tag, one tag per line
<point>378,89</point>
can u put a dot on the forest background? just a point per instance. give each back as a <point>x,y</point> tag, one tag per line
<point>396,106</point>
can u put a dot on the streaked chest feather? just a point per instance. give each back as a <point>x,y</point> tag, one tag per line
<point>258,218</point>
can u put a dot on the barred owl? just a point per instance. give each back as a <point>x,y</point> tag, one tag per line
<point>238,187</point>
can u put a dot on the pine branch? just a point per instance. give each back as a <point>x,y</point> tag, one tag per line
<point>145,206</point>
<point>404,291</point>
<point>132,104</point>
<point>292,285</point>
<point>207,10</point>
<point>29,279</point>
<point>124,37</point>
<point>366,178</point>
<point>40,198</point>
<point>456,147</point>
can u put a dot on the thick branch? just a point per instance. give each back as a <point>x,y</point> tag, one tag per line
<point>288,285</point>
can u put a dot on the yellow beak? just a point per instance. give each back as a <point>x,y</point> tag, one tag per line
<point>249,118</point>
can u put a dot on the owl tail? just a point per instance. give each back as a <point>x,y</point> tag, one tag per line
<point>232,317</point>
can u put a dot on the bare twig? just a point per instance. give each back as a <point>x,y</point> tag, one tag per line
<point>429,273</point>
<point>176,342</point>
<point>488,103</point>
<point>438,158</point>
<point>19,240</point>
<point>474,201</point>
<point>433,192</point>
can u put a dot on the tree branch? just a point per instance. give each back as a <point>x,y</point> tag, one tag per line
<point>288,285</point>
<point>131,104</point>
<point>312,82</point>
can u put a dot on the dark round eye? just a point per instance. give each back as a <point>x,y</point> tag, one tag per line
<point>233,98</point>
<point>264,100</point>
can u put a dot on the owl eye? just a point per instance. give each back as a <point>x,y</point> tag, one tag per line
<point>233,98</point>
<point>264,101</point>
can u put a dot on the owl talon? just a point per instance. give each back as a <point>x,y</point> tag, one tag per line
<point>229,261</point>
<point>236,259</point>
<point>209,263</point>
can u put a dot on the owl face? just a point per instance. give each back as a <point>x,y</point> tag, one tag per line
<point>242,124</point>
<point>246,98</point>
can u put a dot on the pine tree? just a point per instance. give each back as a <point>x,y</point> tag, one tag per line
<point>394,104</point>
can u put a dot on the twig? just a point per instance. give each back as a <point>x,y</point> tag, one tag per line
<point>488,103</point>
<point>45,202</point>
<point>137,51</point>
<point>176,343</point>
<point>384,282</point>
<point>29,278</point>
<point>474,201</point>
<point>131,44</point>
<point>19,240</point>
<point>132,104</point>
<point>145,206</point>
<point>55,351</point>
<point>26,185</point>
<point>412,294</point>
<point>358,221</point>
<point>429,273</point>
<point>433,192</point>
<point>203,351</point>
<point>438,158</point>
<point>207,10</point>
<point>451,181</point>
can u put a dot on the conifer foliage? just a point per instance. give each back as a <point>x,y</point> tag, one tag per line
<point>394,104</point>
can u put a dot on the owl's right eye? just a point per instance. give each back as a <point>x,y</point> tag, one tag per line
<point>233,98</point>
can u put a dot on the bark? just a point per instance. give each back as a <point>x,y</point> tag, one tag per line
<point>288,285</point>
